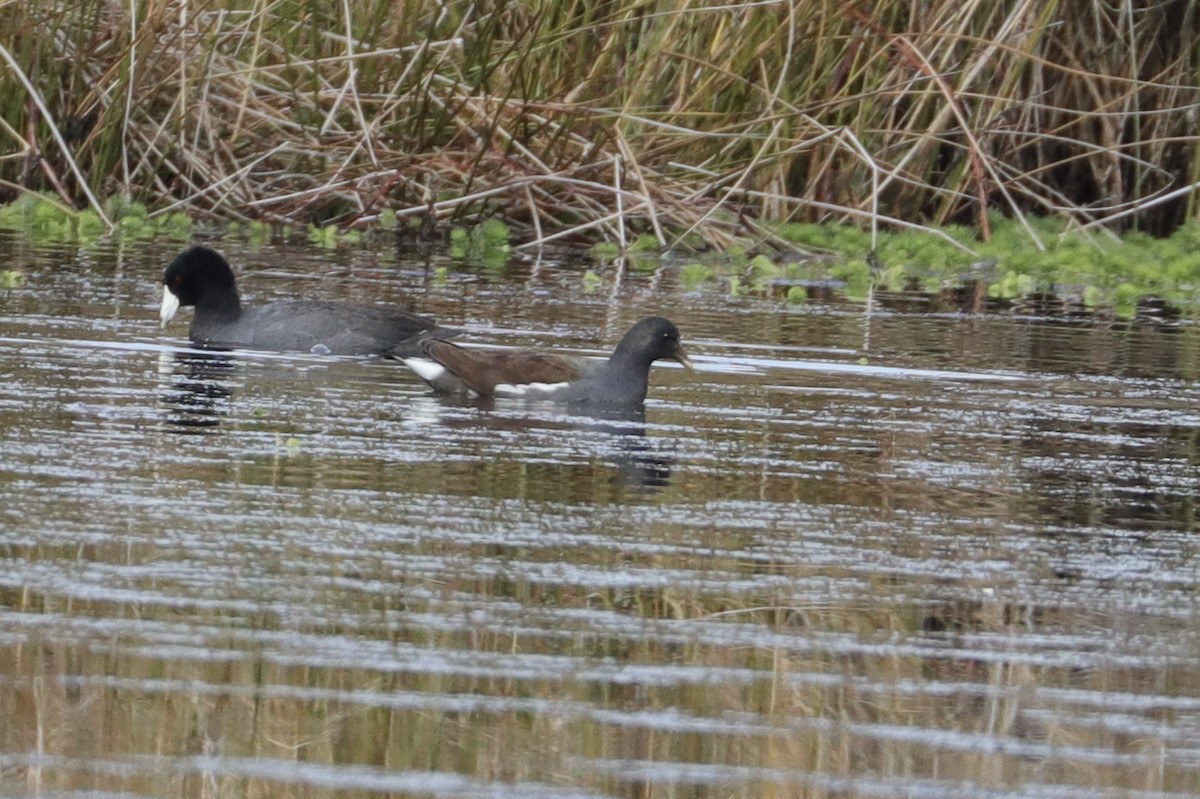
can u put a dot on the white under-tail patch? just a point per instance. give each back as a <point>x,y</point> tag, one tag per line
<point>170,304</point>
<point>424,368</point>
<point>523,389</point>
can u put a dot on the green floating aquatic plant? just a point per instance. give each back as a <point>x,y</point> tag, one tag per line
<point>288,445</point>
<point>1106,271</point>
<point>694,275</point>
<point>39,217</point>
<point>323,236</point>
<point>645,243</point>
<point>486,244</point>
<point>255,231</point>
<point>605,251</point>
<point>43,218</point>
<point>844,240</point>
<point>330,236</point>
<point>592,281</point>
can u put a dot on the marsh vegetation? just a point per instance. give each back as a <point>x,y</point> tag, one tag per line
<point>693,124</point>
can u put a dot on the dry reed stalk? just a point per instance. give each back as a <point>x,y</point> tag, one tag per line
<point>573,120</point>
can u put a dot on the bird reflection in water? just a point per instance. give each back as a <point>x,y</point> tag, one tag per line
<point>195,392</point>
<point>614,438</point>
<point>636,457</point>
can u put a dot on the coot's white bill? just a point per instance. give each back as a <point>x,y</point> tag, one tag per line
<point>170,305</point>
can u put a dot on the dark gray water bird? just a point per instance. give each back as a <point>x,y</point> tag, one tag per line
<point>202,278</point>
<point>622,380</point>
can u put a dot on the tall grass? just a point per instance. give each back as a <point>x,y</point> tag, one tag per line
<point>690,121</point>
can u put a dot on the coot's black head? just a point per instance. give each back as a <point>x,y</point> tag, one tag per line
<point>198,276</point>
<point>652,339</point>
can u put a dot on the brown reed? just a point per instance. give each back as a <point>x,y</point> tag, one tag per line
<point>694,122</point>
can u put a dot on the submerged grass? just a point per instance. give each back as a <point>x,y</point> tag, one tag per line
<point>690,123</point>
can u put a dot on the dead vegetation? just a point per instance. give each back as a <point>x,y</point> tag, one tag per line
<point>696,122</point>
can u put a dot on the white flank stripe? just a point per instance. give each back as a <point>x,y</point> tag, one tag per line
<point>425,369</point>
<point>521,389</point>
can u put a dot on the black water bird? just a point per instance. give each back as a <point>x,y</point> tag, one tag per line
<point>202,278</point>
<point>622,380</point>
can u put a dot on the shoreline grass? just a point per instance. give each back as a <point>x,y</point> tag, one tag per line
<point>704,126</point>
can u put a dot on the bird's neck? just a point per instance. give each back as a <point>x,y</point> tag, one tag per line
<point>626,371</point>
<point>220,308</point>
<point>628,356</point>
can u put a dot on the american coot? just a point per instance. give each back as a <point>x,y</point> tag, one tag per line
<point>621,380</point>
<point>201,277</point>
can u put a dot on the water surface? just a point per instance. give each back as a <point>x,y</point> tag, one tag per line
<point>911,553</point>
